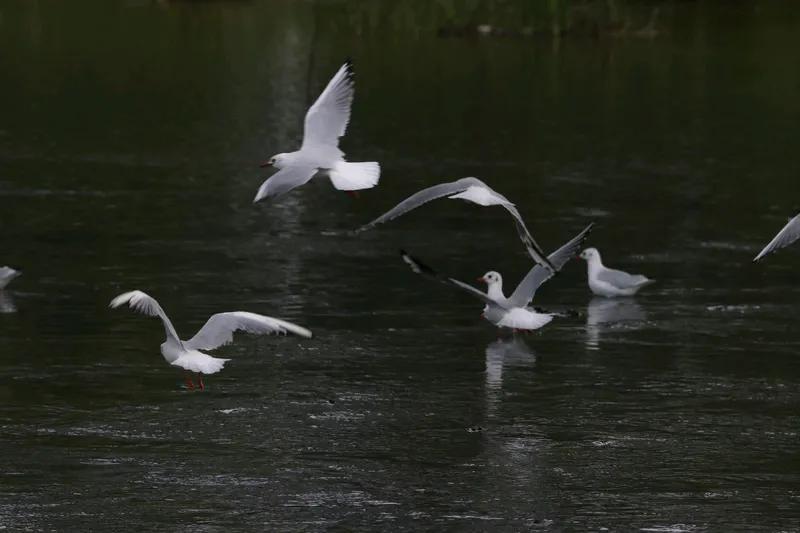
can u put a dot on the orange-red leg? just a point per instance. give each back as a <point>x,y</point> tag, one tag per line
<point>189,382</point>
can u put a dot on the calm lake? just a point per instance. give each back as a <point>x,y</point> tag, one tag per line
<point>130,138</point>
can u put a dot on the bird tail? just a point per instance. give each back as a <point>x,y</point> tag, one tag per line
<point>200,362</point>
<point>355,176</point>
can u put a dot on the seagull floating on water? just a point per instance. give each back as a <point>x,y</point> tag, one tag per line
<point>609,282</point>
<point>471,190</point>
<point>7,274</point>
<point>325,122</point>
<point>513,311</point>
<point>217,332</point>
<point>785,237</point>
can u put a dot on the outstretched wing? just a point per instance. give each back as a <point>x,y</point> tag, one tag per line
<point>284,181</point>
<point>423,197</point>
<point>327,119</point>
<point>534,279</point>
<point>147,305</point>
<point>471,190</point>
<point>421,268</point>
<point>785,237</point>
<point>220,328</point>
<point>534,250</point>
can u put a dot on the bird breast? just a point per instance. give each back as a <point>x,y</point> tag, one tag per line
<point>171,351</point>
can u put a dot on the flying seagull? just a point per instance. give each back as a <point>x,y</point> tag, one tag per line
<point>7,274</point>
<point>609,282</point>
<point>789,234</point>
<point>325,122</point>
<point>217,332</point>
<point>513,311</point>
<point>472,190</point>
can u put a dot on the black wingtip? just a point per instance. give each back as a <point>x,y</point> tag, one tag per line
<point>348,65</point>
<point>416,265</point>
<point>583,236</point>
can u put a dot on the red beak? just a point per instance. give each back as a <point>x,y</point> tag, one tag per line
<point>481,279</point>
<point>265,164</point>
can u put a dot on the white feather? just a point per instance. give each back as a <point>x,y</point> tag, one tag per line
<point>328,118</point>
<point>7,274</point>
<point>147,305</point>
<point>786,236</point>
<point>199,362</point>
<point>220,328</point>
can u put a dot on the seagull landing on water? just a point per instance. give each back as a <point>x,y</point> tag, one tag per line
<point>608,282</point>
<point>325,122</point>
<point>216,332</point>
<point>7,274</point>
<point>785,237</point>
<point>512,311</point>
<point>471,190</point>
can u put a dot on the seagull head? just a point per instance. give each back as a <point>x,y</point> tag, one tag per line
<point>278,161</point>
<point>491,278</point>
<point>589,254</point>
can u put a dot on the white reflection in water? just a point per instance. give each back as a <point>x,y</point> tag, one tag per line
<point>7,303</point>
<point>605,313</point>
<point>499,354</point>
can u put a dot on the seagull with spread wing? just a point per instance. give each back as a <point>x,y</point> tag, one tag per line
<point>325,122</point>
<point>217,332</point>
<point>512,311</point>
<point>785,237</point>
<point>471,190</point>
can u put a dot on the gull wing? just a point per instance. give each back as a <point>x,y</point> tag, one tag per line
<point>620,279</point>
<point>785,237</point>
<point>147,305</point>
<point>471,190</point>
<point>423,197</point>
<point>219,329</point>
<point>421,268</point>
<point>536,276</point>
<point>534,250</point>
<point>284,181</point>
<point>327,119</point>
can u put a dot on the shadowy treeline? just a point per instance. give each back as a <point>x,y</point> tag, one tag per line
<point>512,18</point>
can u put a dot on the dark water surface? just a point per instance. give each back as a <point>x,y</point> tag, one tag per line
<point>130,135</point>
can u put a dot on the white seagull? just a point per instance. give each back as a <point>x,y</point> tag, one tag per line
<point>609,282</point>
<point>472,190</point>
<point>7,274</point>
<point>512,312</point>
<point>325,122</point>
<point>217,332</point>
<point>785,237</point>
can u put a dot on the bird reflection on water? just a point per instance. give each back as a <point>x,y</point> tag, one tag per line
<point>7,303</point>
<point>511,352</point>
<point>603,314</point>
